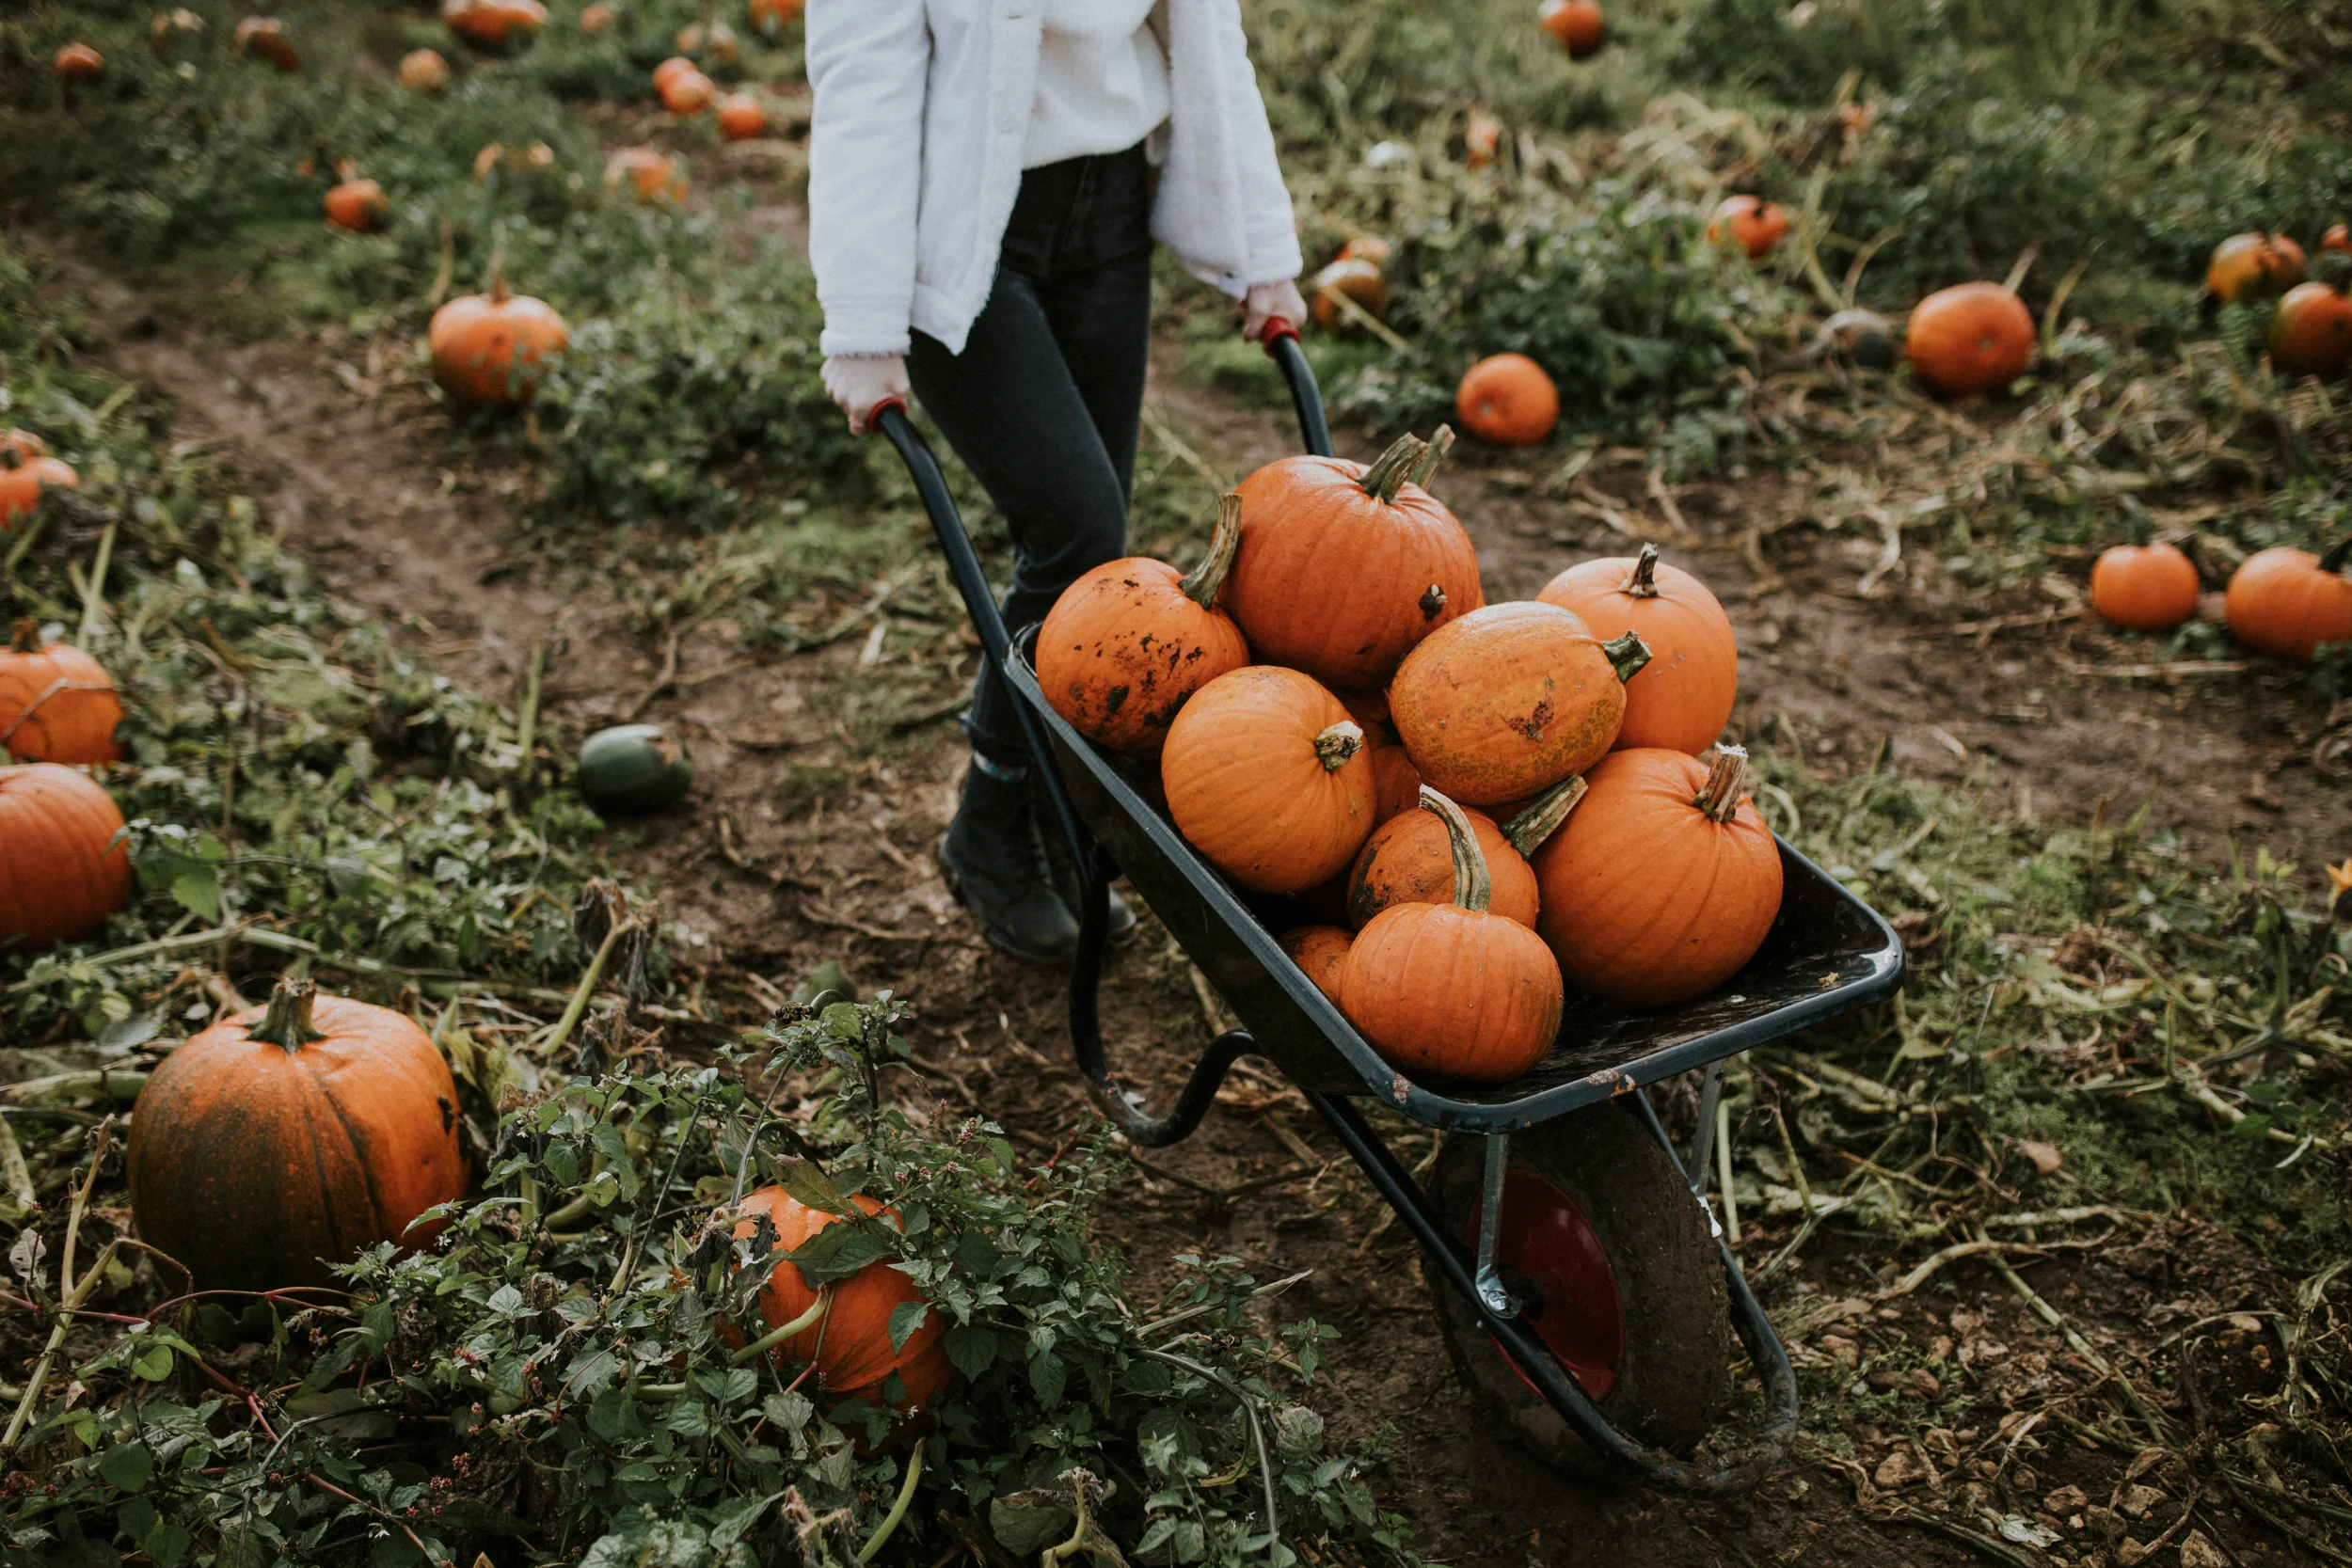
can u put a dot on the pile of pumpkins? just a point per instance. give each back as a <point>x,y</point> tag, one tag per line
<point>2282,601</point>
<point>1496,800</point>
<point>2311,326</point>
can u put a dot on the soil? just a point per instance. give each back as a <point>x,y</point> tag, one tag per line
<point>348,458</point>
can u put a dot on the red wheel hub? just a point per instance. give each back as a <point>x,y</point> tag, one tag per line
<point>1553,1260</point>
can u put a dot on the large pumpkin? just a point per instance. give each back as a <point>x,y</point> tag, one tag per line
<point>486,348</point>
<point>2290,602</point>
<point>288,1139</point>
<point>26,469</point>
<point>1343,568</point>
<point>2145,587</point>
<point>1665,881</point>
<point>1682,697</point>
<point>1452,988</point>
<point>1410,860</point>
<point>57,703</point>
<point>63,871</point>
<point>1267,776</point>
<point>1969,339</point>
<point>2245,265</point>
<point>1510,700</point>
<point>2311,333</point>
<point>850,1342</point>
<point>1127,645</point>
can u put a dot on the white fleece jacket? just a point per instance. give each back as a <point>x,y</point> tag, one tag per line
<point>922,114</point>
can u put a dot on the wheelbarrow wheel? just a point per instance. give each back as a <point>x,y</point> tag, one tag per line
<point>1613,1260</point>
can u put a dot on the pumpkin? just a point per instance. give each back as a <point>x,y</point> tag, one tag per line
<point>1969,339</point>
<point>631,769</point>
<point>356,205</point>
<point>57,703</point>
<point>850,1340</point>
<point>423,71</point>
<point>489,23</point>
<point>2290,602</point>
<point>77,62</point>
<point>173,27</point>
<point>1509,700</point>
<point>2338,239</point>
<point>263,38</point>
<point>716,42</point>
<point>1482,138</point>
<point>1395,782</point>
<point>650,176</point>
<point>773,16</point>
<point>2247,266</point>
<point>1266,775</point>
<point>1344,568</point>
<point>1319,952</point>
<point>675,66</point>
<point>26,469</point>
<point>63,871</point>
<point>1577,23</point>
<point>1354,279</point>
<point>1753,224</point>
<point>1858,336</point>
<point>688,92</point>
<point>486,348</point>
<point>1682,697</point>
<point>290,1139</point>
<point>1366,248</point>
<point>1506,399</point>
<point>2311,333</point>
<point>1408,859</point>
<point>741,118</point>
<point>2145,587</point>
<point>1664,882</point>
<point>1452,988</point>
<point>598,18</point>
<point>1128,643</point>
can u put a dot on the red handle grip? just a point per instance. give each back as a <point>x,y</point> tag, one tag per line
<point>873,415</point>
<point>1275,329</point>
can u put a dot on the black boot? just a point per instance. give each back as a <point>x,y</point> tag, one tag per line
<point>1067,882</point>
<point>997,864</point>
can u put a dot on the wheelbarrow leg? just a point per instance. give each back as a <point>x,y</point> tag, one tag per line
<point>1492,1292</point>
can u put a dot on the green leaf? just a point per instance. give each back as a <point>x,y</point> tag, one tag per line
<point>126,1466</point>
<point>837,1252</point>
<point>905,1319</point>
<point>805,1183</point>
<point>154,1363</point>
<point>971,1349</point>
<point>196,890</point>
<point>1046,1379</point>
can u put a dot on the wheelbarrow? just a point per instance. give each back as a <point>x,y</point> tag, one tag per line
<point>1583,1285</point>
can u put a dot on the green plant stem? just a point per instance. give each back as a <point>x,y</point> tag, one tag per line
<point>25,541</point>
<point>94,590</point>
<point>579,1004</point>
<point>1257,1432</point>
<point>75,1294</point>
<point>775,1336</point>
<point>882,1531</point>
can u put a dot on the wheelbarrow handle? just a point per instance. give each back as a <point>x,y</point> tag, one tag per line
<point>1280,336</point>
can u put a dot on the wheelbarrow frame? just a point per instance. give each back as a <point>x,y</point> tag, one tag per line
<point>1829,954</point>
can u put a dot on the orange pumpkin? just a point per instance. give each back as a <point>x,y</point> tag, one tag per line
<point>1753,224</point>
<point>423,71</point>
<point>2145,587</point>
<point>77,62</point>
<point>1408,859</point>
<point>773,16</point>
<point>62,869</point>
<point>650,176</point>
<point>1344,568</point>
<point>2245,265</point>
<point>1319,952</point>
<point>1506,399</point>
<point>288,1139</point>
<point>742,117</point>
<point>1267,776</point>
<point>2310,334</point>
<point>356,205</point>
<point>1969,339</point>
<point>688,92</point>
<point>1482,138</point>
<point>488,348</point>
<point>1452,988</point>
<point>26,469</point>
<point>1354,279</point>
<point>263,38</point>
<point>1577,23</point>
<point>1127,645</point>
<point>1663,883</point>
<point>57,703</point>
<point>173,27</point>
<point>1395,782</point>
<point>2338,239</point>
<point>675,66</point>
<point>2290,602</point>
<point>490,23</point>
<point>715,42</point>
<point>598,18</point>
<point>1366,248</point>
<point>1510,700</point>
<point>1682,697</point>
<point>850,1342</point>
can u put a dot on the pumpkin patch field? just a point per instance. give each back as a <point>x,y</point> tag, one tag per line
<point>491,1071</point>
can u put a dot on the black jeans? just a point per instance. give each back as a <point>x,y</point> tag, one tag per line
<point>1043,402</point>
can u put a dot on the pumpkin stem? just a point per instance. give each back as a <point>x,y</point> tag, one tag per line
<point>1629,654</point>
<point>1719,797</point>
<point>1528,831</point>
<point>1642,582</point>
<point>1201,583</point>
<point>26,639</point>
<point>1427,467</point>
<point>1474,889</point>
<point>1387,474</point>
<point>2338,556</point>
<point>1337,745</point>
<point>287,1024</point>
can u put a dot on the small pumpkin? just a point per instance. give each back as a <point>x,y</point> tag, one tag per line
<point>1410,860</point>
<point>25,471</point>
<point>1344,568</point>
<point>688,92</point>
<point>1577,23</point>
<point>2290,603</point>
<point>172,28</point>
<point>1366,248</point>
<point>1267,776</point>
<point>650,176</point>
<point>1510,700</point>
<point>2311,333</point>
<point>57,703</point>
<point>263,38</point>
<point>1354,279</point>
<point>2338,239</point>
<point>77,62</point>
<point>293,1137</point>
<point>1858,336</point>
<point>2254,263</point>
<point>742,117</point>
<point>356,205</point>
<point>63,869</point>
<point>669,70</point>
<point>1682,697</point>
<point>491,23</point>
<point>850,1340</point>
<point>633,769</point>
<point>488,348</point>
<point>1453,989</point>
<point>1752,224</point>
<point>773,16</point>
<point>1969,339</point>
<point>2145,587</point>
<point>423,71</point>
<point>1127,645</point>
<point>715,42</point>
<point>1319,952</point>
<point>599,17</point>
<point>1482,138</point>
<point>1506,399</point>
<point>1663,883</point>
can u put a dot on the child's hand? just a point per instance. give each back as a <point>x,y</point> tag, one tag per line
<point>1267,301</point>
<point>861,383</point>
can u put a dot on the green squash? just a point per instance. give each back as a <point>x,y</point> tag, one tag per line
<point>634,768</point>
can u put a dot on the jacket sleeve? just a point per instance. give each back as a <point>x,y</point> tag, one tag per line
<point>868,63</point>
<point>1269,225</point>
